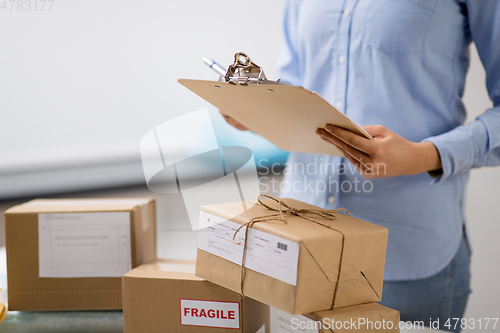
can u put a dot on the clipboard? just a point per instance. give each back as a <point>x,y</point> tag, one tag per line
<point>286,115</point>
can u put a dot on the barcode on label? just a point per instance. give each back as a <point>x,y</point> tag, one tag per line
<point>282,246</point>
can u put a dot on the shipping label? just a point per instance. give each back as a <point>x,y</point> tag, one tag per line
<point>86,202</point>
<point>268,254</point>
<point>282,322</point>
<point>210,313</point>
<point>72,245</point>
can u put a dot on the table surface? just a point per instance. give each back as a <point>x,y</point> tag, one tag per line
<point>63,322</point>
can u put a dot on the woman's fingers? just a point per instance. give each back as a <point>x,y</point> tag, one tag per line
<point>360,156</point>
<point>362,144</point>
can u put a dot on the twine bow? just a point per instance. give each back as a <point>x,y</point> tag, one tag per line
<point>284,208</point>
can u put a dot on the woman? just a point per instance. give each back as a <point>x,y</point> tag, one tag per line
<point>401,66</point>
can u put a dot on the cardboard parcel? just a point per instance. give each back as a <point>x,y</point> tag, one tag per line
<point>70,254</point>
<point>366,318</point>
<point>297,266</point>
<point>166,296</point>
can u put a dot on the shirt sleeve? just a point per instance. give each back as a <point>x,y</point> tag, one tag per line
<point>288,64</point>
<point>478,143</point>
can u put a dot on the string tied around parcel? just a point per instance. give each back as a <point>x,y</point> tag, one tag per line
<point>283,209</point>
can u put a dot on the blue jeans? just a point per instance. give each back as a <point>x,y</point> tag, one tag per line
<point>439,297</point>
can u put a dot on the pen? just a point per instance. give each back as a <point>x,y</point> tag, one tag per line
<point>215,66</point>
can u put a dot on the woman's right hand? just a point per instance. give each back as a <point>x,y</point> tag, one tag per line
<point>233,122</point>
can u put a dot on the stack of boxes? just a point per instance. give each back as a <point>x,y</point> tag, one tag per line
<point>330,269</point>
<point>303,273</point>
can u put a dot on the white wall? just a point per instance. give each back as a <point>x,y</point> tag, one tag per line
<point>82,83</point>
<point>482,210</point>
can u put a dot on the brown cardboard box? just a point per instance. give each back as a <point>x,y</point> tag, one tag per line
<point>166,296</point>
<point>367,318</point>
<point>293,266</point>
<point>91,242</point>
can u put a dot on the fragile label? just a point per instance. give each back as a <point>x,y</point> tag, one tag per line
<point>84,244</point>
<point>210,313</point>
<point>268,254</point>
<point>282,322</point>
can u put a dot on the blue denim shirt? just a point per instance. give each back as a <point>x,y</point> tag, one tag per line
<point>400,64</point>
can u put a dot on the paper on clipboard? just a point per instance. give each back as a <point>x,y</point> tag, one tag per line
<point>286,115</point>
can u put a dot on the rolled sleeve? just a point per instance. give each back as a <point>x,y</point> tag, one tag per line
<point>460,149</point>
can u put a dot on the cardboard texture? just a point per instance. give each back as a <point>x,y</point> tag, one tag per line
<point>371,312</point>
<point>153,296</point>
<point>362,268</point>
<point>367,318</point>
<point>29,292</point>
<point>286,115</point>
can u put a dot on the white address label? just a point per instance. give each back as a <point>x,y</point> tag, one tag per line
<point>210,313</point>
<point>282,322</point>
<point>72,245</point>
<point>268,254</point>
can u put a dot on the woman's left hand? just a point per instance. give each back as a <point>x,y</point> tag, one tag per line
<point>387,155</point>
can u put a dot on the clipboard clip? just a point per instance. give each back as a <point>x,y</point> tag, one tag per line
<point>244,71</point>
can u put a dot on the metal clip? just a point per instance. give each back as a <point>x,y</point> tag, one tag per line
<point>244,71</point>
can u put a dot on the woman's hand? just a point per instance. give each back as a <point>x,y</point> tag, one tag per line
<point>233,122</point>
<point>387,155</point>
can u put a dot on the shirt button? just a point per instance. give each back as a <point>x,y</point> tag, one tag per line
<point>331,200</point>
<point>347,12</point>
<point>341,59</point>
<point>338,105</point>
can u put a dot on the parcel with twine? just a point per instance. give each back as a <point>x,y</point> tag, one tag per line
<point>340,262</point>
